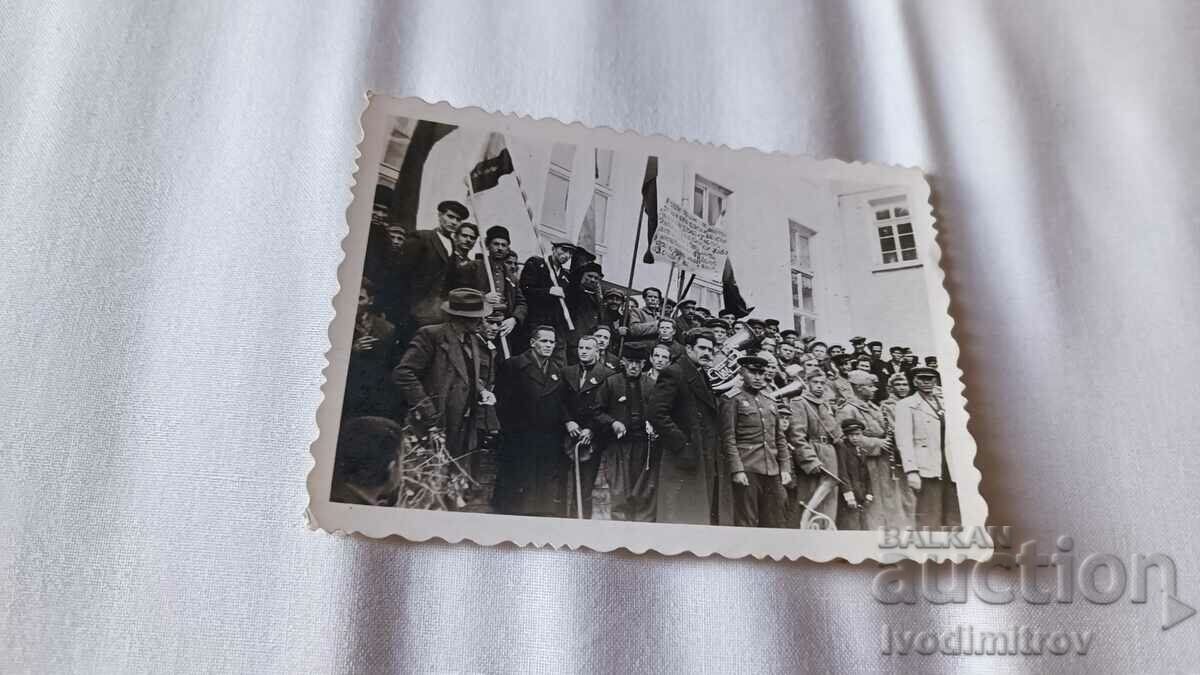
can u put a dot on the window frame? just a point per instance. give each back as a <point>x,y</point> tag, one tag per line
<point>798,270</point>
<point>891,203</point>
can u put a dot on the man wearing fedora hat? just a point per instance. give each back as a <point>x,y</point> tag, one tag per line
<point>421,269</point>
<point>920,421</point>
<point>447,373</point>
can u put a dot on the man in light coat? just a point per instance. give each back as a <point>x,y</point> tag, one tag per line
<point>921,440</point>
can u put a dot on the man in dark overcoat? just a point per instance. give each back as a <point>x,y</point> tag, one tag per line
<point>446,374</point>
<point>531,398</point>
<point>694,486</point>
<point>544,282</point>
<point>583,381</point>
<point>507,291</point>
<point>623,426</point>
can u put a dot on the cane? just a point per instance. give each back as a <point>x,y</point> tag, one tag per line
<point>578,484</point>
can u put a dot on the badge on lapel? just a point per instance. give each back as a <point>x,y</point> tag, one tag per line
<point>554,376</point>
<point>593,380</point>
<point>621,400</point>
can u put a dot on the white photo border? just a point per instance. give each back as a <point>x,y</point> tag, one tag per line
<point>636,537</point>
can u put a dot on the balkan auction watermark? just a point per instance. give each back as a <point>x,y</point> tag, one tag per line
<point>1034,575</point>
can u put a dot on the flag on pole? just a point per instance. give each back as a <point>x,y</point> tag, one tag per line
<point>496,162</point>
<point>650,204</point>
<point>734,302</point>
<point>406,196</point>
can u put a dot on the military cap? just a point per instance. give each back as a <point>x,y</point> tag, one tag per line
<point>685,303</point>
<point>850,424</point>
<point>818,342</point>
<point>454,207</point>
<point>753,362</point>
<point>897,350</point>
<point>931,361</point>
<point>591,267</point>
<point>921,371</point>
<point>897,377</point>
<point>857,340</point>
<point>788,332</point>
<point>634,353</point>
<point>875,343</point>
<point>839,359</point>
<point>771,322</point>
<point>564,244</point>
<point>809,338</point>
<point>908,350</point>
<point>862,377</point>
<point>754,322</point>
<point>717,323</point>
<point>496,232</point>
<point>500,310</point>
<point>614,293</point>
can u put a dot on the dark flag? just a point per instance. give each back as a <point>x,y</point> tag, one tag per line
<point>650,205</point>
<point>496,162</point>
<point>734,302</point>
<point>408,183</point>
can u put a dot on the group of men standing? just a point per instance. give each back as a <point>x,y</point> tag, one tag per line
<point>566,385</point>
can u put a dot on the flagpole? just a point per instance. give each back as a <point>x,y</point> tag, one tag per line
<point>487,263</point>
<point>666,293</point>
<point>542,248</point>
<point>637,240</point>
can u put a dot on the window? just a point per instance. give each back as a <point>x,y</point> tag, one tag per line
<point>709,199</point>
<point>558,182</point>
<point>893,228</point>
<point>804,307</point>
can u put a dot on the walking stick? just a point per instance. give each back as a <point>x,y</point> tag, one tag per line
<point>578,485</point>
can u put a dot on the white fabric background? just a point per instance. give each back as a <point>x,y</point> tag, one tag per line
<point>173,180</point>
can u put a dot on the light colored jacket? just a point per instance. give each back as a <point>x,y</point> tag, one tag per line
<point>919,438</point>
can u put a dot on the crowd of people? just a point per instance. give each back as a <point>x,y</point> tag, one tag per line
<point>540,380</point>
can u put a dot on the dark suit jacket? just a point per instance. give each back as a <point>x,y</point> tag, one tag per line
<point>535,285</point>
<point>529,400</point>
<point>612,404</point>
<point>581,399</point>
<point>421,275</point>
<point>507,287</point>
<point>683,410</point>
<point>438,383</point>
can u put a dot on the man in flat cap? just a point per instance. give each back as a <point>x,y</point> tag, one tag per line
<point>494,278</point>
<point>920,432</point>
<point>545,282</point>
<point>858,345</point>
<point>421,269</point>
<point>623,426</point>
<point>755,450</point>
<point>446,374</point>
<point>585,300</point>
<point>772,328</point>
<point>875,448</point>
<point>719,328</point>
<point>685,318</point>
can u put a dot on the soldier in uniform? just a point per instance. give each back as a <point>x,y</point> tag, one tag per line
<point>583,381</point>
<point>623,424</point>
<point>812,432</point>
<point>755,450</point>
<point>876,447</point>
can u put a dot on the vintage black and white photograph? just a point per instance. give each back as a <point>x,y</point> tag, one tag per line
<point>554,334</point>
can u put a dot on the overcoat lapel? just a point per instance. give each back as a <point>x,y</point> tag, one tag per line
<point>454,350</point>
